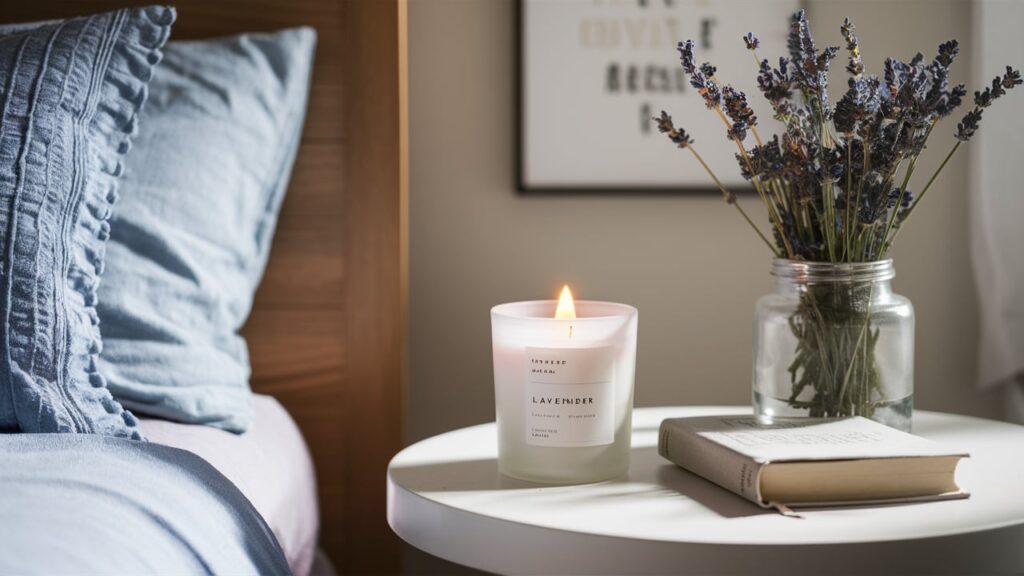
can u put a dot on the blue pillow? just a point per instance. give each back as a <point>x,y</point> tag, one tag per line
<point>69,95</point>
<point>192,232</point>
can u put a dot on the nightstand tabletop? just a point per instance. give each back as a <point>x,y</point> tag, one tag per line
<point>446,497</point>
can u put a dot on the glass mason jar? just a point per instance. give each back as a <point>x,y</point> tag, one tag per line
<point>834,340</point>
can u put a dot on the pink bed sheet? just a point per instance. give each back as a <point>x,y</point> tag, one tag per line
<point>270,464</point>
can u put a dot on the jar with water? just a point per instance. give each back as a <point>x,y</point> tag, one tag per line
<point>833,339</point>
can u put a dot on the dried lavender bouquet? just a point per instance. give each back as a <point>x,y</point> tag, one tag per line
<point>836,185</point>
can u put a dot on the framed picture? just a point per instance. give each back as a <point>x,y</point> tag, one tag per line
<point>593,72</point>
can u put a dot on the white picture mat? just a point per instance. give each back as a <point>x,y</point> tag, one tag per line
<point>577,134</point>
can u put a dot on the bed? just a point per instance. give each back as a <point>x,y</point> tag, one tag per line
<point>326,331</point>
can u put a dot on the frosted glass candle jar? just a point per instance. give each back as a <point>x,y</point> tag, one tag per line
<point>564,390</point>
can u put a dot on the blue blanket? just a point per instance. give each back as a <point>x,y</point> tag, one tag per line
<point>86,504</point>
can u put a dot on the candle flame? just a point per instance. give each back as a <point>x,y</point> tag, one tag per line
<point>566,308</point>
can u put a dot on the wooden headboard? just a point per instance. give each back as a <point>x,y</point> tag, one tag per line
<point>326,335</point>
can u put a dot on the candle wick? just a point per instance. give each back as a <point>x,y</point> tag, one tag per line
<point>570,330</point>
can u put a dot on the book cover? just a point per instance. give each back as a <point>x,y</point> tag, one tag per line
<point>735,452</point>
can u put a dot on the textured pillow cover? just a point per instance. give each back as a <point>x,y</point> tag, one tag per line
<point>69,95</point>
<point>192,232</point>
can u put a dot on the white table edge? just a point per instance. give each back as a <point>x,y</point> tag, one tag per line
<point>462,536</point>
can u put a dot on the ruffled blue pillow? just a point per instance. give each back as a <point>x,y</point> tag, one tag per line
<point>190,239</point>
<point>69,95</point>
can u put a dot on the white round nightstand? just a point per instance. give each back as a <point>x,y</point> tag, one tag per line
<point>445,496</point>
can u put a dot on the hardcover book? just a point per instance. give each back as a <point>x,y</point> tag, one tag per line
<point>799,462</point>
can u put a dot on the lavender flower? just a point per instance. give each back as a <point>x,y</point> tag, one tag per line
<point>709,90</point>
<point>953,100</point>
<point>766,161</point>
<point>686,57</point>
<point>777,87</point>
<point>940,101</point>
<point>895,76</point>
<point>1000,84</point>
<point>836,181</point>
<point>810,65</point>
<point>678,136</point>
<point>999,87</point>
<point>700,78</point>
<point>859,103</point>
<point>738,131</point>
<point>874,199</point>
<point>800,42</point>
<point>751,41</point>
<point>984,99</point>
<point>849,32</point>
<point>969,125</point>
<point>894,196</point>
<point>917,95</point>
<point>737,109</point>
<point>947,52</point>
<point>1012,78</point>
<point>736,106</point>
<point>915,82</point>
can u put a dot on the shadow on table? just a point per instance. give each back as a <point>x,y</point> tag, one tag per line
<point>650,475</point>
<point>457,476</point>
<point>708,494</point>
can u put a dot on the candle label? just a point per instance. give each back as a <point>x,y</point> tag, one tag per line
<point>570,396</point>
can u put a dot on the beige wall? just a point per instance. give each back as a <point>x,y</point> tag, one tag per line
<point>687,262</point>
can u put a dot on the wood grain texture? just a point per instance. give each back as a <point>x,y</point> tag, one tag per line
<point>326,334</point>
<point>374,253</point>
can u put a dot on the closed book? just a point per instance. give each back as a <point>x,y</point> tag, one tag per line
<point>795,462</point>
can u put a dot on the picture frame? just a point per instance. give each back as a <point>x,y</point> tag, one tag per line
<point>592,73</point>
